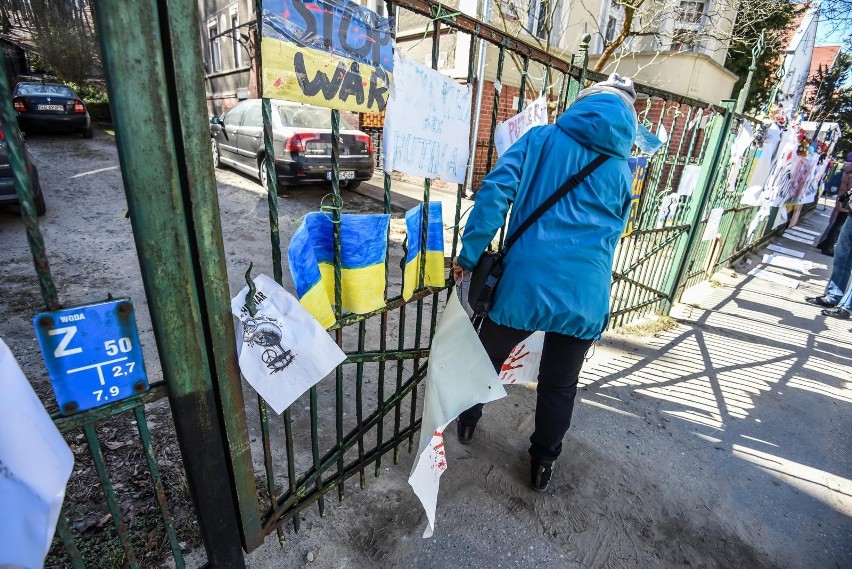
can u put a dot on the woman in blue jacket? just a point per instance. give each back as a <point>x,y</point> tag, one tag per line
<point>557,275</point>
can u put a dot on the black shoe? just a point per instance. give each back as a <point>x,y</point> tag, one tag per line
<point>819,301</point>
<point>829,252</point>
<point>465,433</point>
<point>540,473</point>
<point>837,312</point>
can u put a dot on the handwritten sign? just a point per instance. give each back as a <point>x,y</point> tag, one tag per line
<point>638,167</point>
<point>427,123</point>
<point>514,128</point>
<point>329,53</point>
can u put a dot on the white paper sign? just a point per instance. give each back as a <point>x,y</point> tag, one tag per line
<point>688,179</point>
<point>514,128</point>
<point>427,123</point>
<point>522,364</point>
<point>713,222</point>
<point>283,351</point>
<point>35,464</point>
<point>459,376</point>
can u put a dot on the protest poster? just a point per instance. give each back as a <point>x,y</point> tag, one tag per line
<point>510,130</point>
<point>427,123</point>
<point>638,167</point>
<point>711,231</point>
<point>35,464</point>
<point>328,53</point>
<point>282,350</point>
<point>459,376</point>
<point>688,179</point>
<point>524,361</point>
<point>646,141</point>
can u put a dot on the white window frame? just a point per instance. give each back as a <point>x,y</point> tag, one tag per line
<point>213,46</point>
<point>235,37</point>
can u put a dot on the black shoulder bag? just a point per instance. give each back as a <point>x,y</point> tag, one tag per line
<point>489,269</point>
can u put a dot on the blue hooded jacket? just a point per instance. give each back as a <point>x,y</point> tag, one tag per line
<point>557,275</point>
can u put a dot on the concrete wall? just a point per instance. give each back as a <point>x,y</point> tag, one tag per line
<point>688,74</point>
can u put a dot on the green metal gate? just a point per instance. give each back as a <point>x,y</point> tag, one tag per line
<point>345,427</point>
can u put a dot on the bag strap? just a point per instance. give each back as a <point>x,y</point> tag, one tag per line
<point>572,183</point>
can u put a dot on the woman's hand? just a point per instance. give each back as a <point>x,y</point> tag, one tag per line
<point>458,272</point>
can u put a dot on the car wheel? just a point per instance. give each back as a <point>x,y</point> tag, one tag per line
<point>261,172</point>
<point>88,133</point>
<point>40,206</point>
<point>214,147</point>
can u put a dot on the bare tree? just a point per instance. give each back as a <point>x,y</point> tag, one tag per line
<point>662,27</point>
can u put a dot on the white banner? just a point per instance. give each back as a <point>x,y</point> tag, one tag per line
<point>713,222</point>
<point>35,463</point>
<point>427,123</point>
<point>459,376</point>
<point>514,128</point>
<point>688,179</point>
<point>283,351</point>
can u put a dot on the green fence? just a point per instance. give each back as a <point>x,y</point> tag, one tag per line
<point>345,426</point>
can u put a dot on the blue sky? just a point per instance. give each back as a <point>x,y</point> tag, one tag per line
<point>830,34</point>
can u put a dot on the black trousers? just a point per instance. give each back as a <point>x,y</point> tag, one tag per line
<point>561,362</point>
<point>832,232</point>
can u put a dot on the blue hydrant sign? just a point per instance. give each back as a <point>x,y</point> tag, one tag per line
<point>92,354</point>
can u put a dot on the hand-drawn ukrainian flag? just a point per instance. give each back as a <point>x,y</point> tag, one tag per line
<point>363,251</point>
<point>434,275</point>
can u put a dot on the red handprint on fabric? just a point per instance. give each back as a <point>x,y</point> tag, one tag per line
<point>438,453</point>
<point>512,363</point>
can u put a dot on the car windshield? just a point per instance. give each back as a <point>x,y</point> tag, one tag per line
<point>309,117</point>
<point>44,89</point>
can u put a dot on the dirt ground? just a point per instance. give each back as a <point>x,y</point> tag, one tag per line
<point>722,441</point>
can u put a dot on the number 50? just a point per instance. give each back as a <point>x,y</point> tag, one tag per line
<point>112,347</point>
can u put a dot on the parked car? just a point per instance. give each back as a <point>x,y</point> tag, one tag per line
<point>50,107</point>
<point>8,195</point>
<point>301,137</point>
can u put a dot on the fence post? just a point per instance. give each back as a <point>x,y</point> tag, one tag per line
<point>159,180</point>
<point>707,179</point>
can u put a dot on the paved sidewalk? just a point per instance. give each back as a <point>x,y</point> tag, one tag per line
<point>722,442</point>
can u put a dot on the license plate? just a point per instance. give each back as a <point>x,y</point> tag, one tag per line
<point>344,175</point>
<point>50,107</point>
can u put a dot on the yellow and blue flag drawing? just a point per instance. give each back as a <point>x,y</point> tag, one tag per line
<point>434,275</point>
<point>363,251</point>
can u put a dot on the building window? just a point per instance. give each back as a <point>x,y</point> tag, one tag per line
<point>684,40</point>
<point>690,12</point>
<point>213,41</point>
<point>611,30</point>
<point>235,37</point>
<point>540,15</point>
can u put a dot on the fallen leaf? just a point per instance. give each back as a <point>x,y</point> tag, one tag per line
<point>115,445</point>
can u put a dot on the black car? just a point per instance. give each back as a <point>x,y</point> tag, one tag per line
<point>8,195</point>
<point>50,107</point>
<point>302,143</point>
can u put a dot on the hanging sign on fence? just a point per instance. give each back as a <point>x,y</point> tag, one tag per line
<point>282,350</point>
<point>459,376</point>
<point>92,354</point>
<point>329,53</point>
<point>510,130</point>
<point>35,464</point>
<point>427,123</point>
<point>638,167</point>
